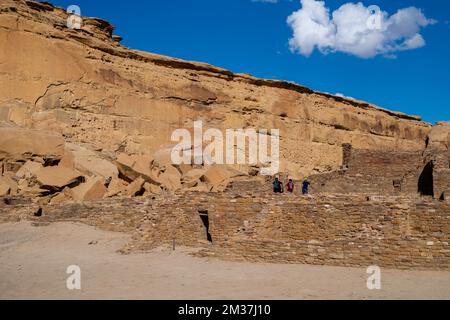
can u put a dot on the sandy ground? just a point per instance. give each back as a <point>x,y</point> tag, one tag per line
<point>34,260</point>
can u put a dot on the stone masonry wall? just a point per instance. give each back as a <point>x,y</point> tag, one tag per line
<point>366,171</point>
<point>441,174</point>
<point>346,230</point>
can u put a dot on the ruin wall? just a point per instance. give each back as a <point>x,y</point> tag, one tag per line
<point>343,230</point>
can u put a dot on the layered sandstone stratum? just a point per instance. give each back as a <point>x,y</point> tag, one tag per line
<point>84,118</point>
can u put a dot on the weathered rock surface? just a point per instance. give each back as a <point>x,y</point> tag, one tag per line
<point>118,107</point>
<point>29,170</point>
<point>192,178</point>
<point>113,114</point>
<point>57,178</point>
<point>439,136</point>
<point>170,178</point>
<point>18,143</point>
<point>123,100</point>
<point>62,197</point>
<point>217,177</point>
<point>151,189</point>
<point>92,189</point>
<point>133,167</point>
<point>116,187</point>
<point>88,162</point>
<point>134,188</point>
<point>5,188</point>
<point>8,186</point>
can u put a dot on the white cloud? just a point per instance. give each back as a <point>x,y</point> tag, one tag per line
<point>343,96</point>
<point>355,30</point>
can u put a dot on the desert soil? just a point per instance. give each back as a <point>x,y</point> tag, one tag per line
<point>34,260</point>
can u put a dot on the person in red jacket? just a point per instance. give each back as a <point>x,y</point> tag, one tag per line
<point>290,186</point>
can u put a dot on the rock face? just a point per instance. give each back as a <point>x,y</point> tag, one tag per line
<point>134,188</point>
<point>439,136</point>
<point>7,186</point>
<point>118,99</point>
<point>86,106</point>
<point>93,189</point>
<point>116,186</point>
<point>17,143</point>
<point>217,177</point>
<point>134,167</point>
<point>88,162</point>
<point>29,170</point>
<point>57,178</point>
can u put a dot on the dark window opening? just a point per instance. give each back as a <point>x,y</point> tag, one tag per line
<point>425,185</point>
<point>442,197</point>
<point>397,183</point>
<point>205,219</point>
<point>38,213</point>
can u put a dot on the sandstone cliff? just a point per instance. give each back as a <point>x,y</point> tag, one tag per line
<point>110,100</point>
<point>85,85</point>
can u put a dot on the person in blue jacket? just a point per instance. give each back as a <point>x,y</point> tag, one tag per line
<point>305,187</point>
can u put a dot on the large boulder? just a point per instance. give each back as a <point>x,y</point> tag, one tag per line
<point>218,176</point>
<point>62,197</point>
<point>7,185</point>
<point>200,188</point>
<point>133,167</point>
<point>135,188</point>
<point>192,178</point>
<point>151,189</point>
<point>88,162</point>
<point>5,188</point>
<point>32,191</point>
<point>162,157</point>
<point>168,174</point>
<point>116,187</point>
<point>170,178</point>
<point>29,170</point>
<point>57,178</point>
<point>18,143</point>
<point>92,189</point>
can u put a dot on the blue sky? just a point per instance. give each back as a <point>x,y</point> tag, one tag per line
<point>253,37</point>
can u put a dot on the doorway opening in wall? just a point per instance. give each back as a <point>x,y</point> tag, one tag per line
<point>426,183</point>
<point>204,215</point>
<point>397,183</point>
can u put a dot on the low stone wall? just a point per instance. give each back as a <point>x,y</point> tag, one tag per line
<point>393,232</point>
<point>325,229</point>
